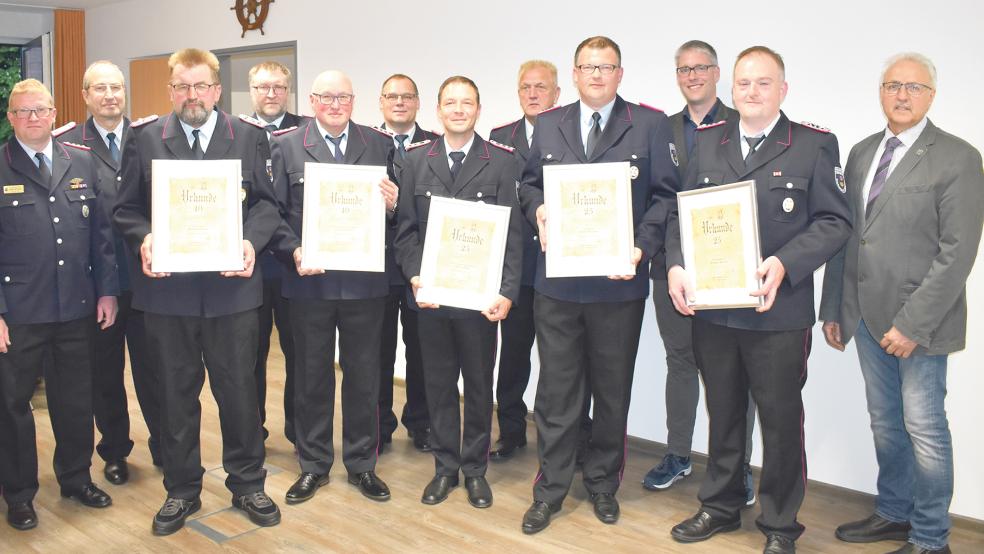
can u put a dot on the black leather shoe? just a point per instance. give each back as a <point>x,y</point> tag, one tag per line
<point>479,492</point>
<point>259,507</point>
<point>21,515</point>
<point>173,513</point>
<point>779,544</point>
<point>702,527</point>
<point>117,472</point>
<point>305,487</point>
<point>537,517</point>
<point>421,438</point>
<point>89,495</point>
<point>910,548</point>
<point>605,507</point>
<point>370,485</point>
<point>438,489</point>
<point>505,447</point>
<point>873,529</point>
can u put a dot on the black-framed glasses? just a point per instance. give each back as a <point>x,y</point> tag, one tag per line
<point>605,68</point>
<point>700,69</point>
<point>278,90</point>
<point>25,113</point>
<point>184,88</point>
<point>394,98</point>
<point>106,88</point>
<point>328,98</point>
<point>914,89</point>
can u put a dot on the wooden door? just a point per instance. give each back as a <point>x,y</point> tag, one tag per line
<point>148,87</point>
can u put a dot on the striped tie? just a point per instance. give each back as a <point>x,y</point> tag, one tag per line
<point>881,174</point>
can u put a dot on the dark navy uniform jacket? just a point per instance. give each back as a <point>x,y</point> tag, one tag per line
<point>365,146</point>
<point>488,175</point>
<point>795,162</point>
<point>636,134</point>
<point>273,268</point>
<point>204,294</point>
<point>514,134</point>
<point>56,245</point>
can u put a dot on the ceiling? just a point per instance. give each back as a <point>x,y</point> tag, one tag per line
<point>48,4</point>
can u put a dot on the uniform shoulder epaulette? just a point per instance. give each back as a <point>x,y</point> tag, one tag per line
<point>143,120</point>
<point>63,129</point>
<point>501,146</point>
<point>79,146</point>
<point>711,125</point>
<point>653,108</point>
<point>413,145</point>
<point>279,132</point>
<point>382,131</point>
<point>815,127</point>
<point>252,121</point>
<point>504,125</point>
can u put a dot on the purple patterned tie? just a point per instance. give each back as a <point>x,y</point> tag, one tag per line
<point>881,174</point>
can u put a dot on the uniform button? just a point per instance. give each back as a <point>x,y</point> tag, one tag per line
<point>789,185</point>
<point>6,279</point>
<point>61,262</point>
<point>56,220</point>
<point>863,242</point>
<point>536,237</point>
<point>427,193</point>
<point>59,241</point>
<point>479,194</point>
<point>81,197</point>
<point>118,178</point>
<point>15,202</point>
<point>51,199</point>
<point>301,180</point>
<point>707,180</point>
<point>549,156</point>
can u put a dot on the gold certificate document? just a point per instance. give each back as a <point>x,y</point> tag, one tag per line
<point>343,226</point>
<point>589,219</point>
<point>463,253</point>
<point>720,241</point>
<point>196,221</point>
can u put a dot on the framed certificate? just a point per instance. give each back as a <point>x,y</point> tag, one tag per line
<point>196,215</point>
<point>463,253</point>
<point>343,226</point>
<point>719,235</point>
<point>589,219</point>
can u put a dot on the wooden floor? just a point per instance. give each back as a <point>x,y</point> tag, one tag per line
<point>339,519</point>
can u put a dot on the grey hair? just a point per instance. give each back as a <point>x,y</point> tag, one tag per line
<point>698,45</point>
<point>913,57</point>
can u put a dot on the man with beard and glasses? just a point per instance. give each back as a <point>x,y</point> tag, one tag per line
<point>199,317</point>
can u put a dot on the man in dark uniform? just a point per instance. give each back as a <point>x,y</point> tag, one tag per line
<point>56,269</point>
<point>697,75</point>
<point>321,302</point>
<point>454,341</point>
<point>104,92</point>
<point>202,315</point>
<point>538,91</point>
<point>399,101</point>
<point>587,328</point>
<point>269,89</point>
<point>803,219</point>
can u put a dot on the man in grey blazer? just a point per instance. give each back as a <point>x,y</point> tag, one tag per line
<point>898,287</point>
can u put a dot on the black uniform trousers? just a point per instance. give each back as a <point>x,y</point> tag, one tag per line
<point>109,404</point>
<point>275,310</point>
<point>772,365</point>
<point>68,384</point>
<point>227,346</point>
<point>415,416</point>
<point>518,334</point>
<point>359,324</point>
<point>582,345</point>
<point>451,347</point>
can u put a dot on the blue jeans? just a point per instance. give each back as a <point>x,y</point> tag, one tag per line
<point>912,439</point>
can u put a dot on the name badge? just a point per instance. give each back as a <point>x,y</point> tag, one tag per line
<point>13,189</point>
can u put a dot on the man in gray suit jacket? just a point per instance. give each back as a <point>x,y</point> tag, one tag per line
<point>898,287</point>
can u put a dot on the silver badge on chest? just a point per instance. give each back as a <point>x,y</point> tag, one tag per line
<point>788,204</point>
<point>633,172</point>
<point>85,210</point>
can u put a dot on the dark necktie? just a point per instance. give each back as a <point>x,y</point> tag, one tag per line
<point>270,129</point>
<point>400,147</point>
<point>456,158</point>
<point>881,174</point>
<point>753,143</point>
<point>337,141</point>
<point>43,169</point>
<point>114,151</point>
<point>594,134</point>
<point>196,147</point>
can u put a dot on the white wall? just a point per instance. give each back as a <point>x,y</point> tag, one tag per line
<point>19,25</point>
<point>833,53</point>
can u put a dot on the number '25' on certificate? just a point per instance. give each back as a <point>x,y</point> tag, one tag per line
<point>463,253</point>
<point>719,236</point>
<point>589,219</point>
<point>196,215</point>
<point>343,226</point>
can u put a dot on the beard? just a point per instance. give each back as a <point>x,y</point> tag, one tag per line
<point>193,113</point>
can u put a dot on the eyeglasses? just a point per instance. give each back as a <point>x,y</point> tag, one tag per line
<point>25,113</point>
<point>104,88</point>
<point>700,69</point>
<point>394,98</point>
<point>605,68</point>
<point>183,88</point>
<point>539,88</point>
<point>343,99</point>
<point>915,90</point>
<point>278,90</point>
